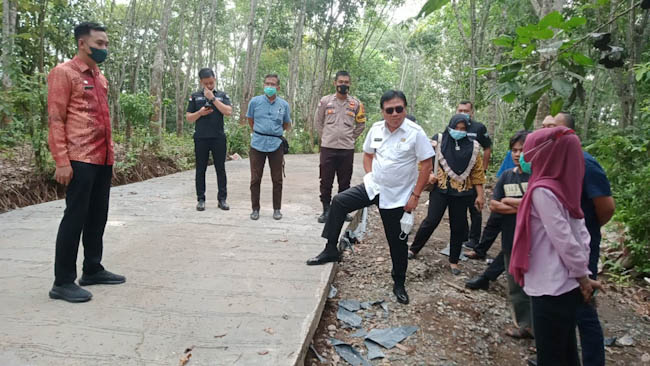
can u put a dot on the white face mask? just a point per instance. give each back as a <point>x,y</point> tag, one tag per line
<point>407,224</point>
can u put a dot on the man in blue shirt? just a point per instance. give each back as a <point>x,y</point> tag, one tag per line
<point>268,115</point>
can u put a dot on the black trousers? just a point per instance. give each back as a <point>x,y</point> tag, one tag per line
<point>554,323</point>
<point>477,221</point>
<point>356,198</point>
<point>438,203</point>
<point>202,149</point>
<point>86,211</point>
<point>496,268</point>
<point>337,162</point>
<point>490,233</point>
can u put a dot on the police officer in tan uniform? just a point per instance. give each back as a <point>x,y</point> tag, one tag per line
<point>340,118</point>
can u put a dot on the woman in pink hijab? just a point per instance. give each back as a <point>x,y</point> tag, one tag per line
<point>551,248</point>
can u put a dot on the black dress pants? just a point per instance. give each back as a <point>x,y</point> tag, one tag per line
<point>202,149</point>
<point>356,198</point>
<point>477,221</point>
<point>554,323</point>
<point>86,211</point>
<point>438,203</point>
<point>490,233</point>
<point>496,268</point>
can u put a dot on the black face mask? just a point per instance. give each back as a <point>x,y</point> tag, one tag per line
<point>343,89</point>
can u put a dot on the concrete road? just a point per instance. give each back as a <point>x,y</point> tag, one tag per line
<point>236,290</point>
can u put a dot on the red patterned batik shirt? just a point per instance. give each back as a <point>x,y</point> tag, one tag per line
<point>77,105</point>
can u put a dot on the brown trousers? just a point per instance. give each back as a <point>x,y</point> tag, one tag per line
<point>337,162</point>
<point>257,161</point>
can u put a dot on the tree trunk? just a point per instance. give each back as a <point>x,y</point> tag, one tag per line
<point>542,8</point>
<point>590,106</point>
<point>155,87</point>
<point>260,45</point>
<point>250,51</point>
<point>295,58</point>
<point>8,33</point>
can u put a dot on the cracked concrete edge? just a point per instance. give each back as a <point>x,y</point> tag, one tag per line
<point>316,316</point>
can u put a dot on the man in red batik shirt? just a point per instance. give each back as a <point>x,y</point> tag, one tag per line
<point>81,145</point>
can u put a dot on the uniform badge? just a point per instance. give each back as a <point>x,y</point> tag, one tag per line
<point>377,139</point>
<point>403,139</point>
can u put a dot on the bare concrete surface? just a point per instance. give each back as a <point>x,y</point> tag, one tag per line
<point>237,290</point>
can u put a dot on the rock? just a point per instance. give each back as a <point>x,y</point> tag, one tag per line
<point>645,358</point>
<point>625,341</point>
<point>380,259</point>
<point>331,327</point>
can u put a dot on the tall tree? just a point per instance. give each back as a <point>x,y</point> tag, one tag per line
<point>157,71</point>
<point>294,59</point>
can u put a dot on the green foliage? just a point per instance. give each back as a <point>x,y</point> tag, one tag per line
<point>238,138</point>
<point>542,60</point>
<point>137,108</point>
<point>430,6</point>
<point>625,155</point>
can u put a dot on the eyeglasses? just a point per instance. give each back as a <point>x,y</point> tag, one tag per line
<point>398,109</point>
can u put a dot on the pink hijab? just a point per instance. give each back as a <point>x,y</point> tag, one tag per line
<point>557,164</point>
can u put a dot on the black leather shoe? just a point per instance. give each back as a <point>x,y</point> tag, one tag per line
<point>324,216</point>
<point>478,283</point>
<point>411,255</point>
<point>223,205</point>
<point>324,257</point>
<point>277,215</point>
<point>102,277</point>
<point>200,206</point>
<point>470,244</point>
<point>400,294</point>
<point>474,255</point>
<point>348,217</point>
<point>70,292</point>
<point>255,215</point>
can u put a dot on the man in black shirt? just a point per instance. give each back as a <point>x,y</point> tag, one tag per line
<point>207,108</point>
<point>476,131</point>
<point>506,198</point>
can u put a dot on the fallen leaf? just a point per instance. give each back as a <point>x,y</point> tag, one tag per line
<point>405,348</point>
<point>262,353</point>
<point>185,359</point>
<point>189,349</point>
<point>269,331</point>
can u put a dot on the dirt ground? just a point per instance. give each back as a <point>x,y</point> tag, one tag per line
<point>456,326</point>
<point>22,185</point>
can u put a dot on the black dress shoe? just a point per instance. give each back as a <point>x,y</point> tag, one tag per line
<point>470,244</point>
<point>324,216</point>
<point>200,206</point>
<point>348,218</point>
<point>70,292</point>
<point>102,277</point>
<point>411,255</point>
<point>255,214</point>
<point>223,205</point>
<point>400,294</point>
<point>478,283</point>
<point>474,255</point>
<point>324,257</point>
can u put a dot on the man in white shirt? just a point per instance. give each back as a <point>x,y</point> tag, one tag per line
<point>392,150</point>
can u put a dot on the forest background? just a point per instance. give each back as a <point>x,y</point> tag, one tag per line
<point>516,60</point>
